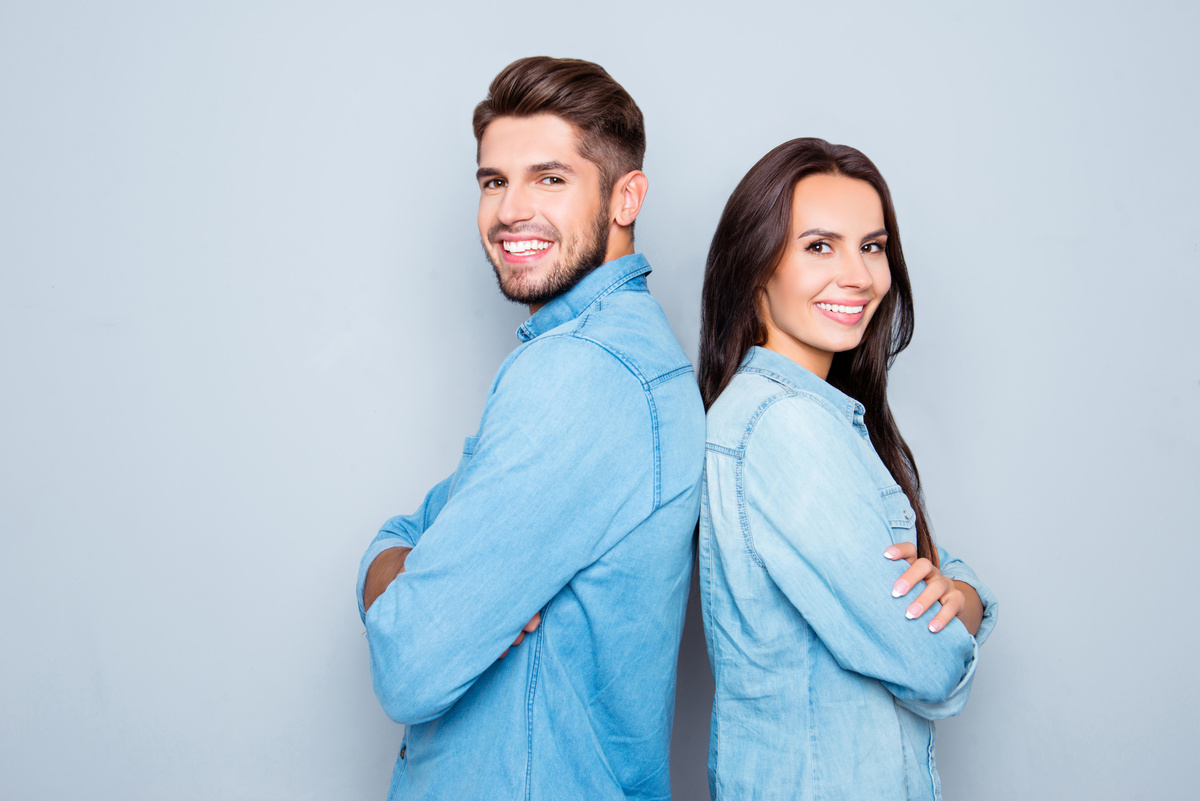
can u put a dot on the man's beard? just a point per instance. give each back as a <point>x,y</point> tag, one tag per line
<point>575,260</point>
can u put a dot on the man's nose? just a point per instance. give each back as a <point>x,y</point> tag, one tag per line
<point>516,205</point>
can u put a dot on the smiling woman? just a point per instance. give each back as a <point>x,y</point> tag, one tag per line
<point>826,686</point>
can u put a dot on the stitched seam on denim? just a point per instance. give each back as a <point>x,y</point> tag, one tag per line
<point>618,282</point>
<point>743,515</point>
<point>715,717</point>
<point>667,376</point>
<point>813,778</point>
<point>533,677</point>
<point>636,373</point>
<point>740,472</point>
<point>851,404</point>
<point>721,449</point>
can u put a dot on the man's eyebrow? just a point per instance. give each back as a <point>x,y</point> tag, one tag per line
<point>545,166</point>
<point>551,166</point>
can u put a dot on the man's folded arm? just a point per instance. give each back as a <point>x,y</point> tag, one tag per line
<point>563,468</point>
<point>401,531</point>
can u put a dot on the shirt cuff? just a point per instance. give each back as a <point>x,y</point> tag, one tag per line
<point>377,547</point>
<point>957,570</point>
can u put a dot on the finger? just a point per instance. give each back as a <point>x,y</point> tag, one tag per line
<point>504,654</point>
<point>936,587</point>
<point>534,622</point>
<point>520,637</point>
<point>902,550</point>
<point>909,578</point>
<point>952,604</point>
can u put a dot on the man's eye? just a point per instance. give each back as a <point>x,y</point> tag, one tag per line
<point>493,183</point>
<point>819,247</point>
<point>553,180</point>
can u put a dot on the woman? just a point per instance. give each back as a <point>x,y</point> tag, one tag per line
<point>826,684</point>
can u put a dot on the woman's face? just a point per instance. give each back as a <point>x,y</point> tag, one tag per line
<point>833,275</point>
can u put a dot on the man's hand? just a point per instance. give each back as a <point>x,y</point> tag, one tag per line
<point>530,627</point>
<point>382,572</point>
<point>958,598</point>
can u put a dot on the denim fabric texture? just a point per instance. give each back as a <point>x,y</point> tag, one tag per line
<point>578,497</point>
<point>824,690</point>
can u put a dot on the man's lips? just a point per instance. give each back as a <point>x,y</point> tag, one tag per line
<point>523,250</point>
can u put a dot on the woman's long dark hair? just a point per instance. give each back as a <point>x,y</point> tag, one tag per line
<point>746,249</point>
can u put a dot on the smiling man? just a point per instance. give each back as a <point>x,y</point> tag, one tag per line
<point>566,529</point>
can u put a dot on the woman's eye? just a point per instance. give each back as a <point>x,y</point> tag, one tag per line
<point>820,247</point>
<point>873,247</point>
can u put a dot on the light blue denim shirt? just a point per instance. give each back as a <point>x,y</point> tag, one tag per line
<point>578,497</point>
<point>824,690</point>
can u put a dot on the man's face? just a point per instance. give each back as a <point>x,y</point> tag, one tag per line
<point>542,220</point>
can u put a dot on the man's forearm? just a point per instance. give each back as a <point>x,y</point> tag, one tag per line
<point>383,571</point>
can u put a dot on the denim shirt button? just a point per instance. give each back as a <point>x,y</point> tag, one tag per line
<point>402,750</point>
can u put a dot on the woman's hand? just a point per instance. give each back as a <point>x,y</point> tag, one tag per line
<point>957,598</point>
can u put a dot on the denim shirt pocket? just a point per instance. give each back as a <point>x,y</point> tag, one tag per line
<point>899,513</point>
<point>469,445</point>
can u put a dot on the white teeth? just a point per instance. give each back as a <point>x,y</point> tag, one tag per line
<point>833,307</point>
<point>524,245</point>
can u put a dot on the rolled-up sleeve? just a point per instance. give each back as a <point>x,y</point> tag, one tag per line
<point>563,463</point>
<point>958,570</point>
<point>401,531</point>
<point>820,533</point>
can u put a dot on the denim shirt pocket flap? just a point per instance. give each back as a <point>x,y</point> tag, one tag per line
<point>469,446</point>
<point>897,508</point>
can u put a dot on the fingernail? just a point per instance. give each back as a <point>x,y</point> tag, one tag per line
<point>914,611</point>
<point>899,588</point>
<point>935,626</point>
<point>892,552</point>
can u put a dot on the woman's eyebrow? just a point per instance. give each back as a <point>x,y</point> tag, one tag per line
<point>821,232</point>
<point>882,232</point>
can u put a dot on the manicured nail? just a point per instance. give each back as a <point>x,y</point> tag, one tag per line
<point>892,552</point>
<point>935,626</point>
<point>899,588</point>
<point>914,611</point>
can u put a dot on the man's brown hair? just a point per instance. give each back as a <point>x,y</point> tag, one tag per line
<point>612,133</point>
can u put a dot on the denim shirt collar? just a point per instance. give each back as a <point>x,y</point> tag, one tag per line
<point>783,370</point>
<point>596,285</point>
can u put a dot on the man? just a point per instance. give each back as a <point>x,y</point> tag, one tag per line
<point>568,523</point>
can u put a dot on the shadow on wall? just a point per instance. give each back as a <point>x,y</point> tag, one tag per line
<point>693,708</point>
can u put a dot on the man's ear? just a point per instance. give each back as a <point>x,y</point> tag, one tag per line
<point>628,193</point>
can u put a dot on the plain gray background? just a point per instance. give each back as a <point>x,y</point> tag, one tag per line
<point>244,318</point>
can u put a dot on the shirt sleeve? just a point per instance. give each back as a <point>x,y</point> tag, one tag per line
<point>402,531</point>
<point>817,522</point>
<point>562,470</point>
<point>958,570</point>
